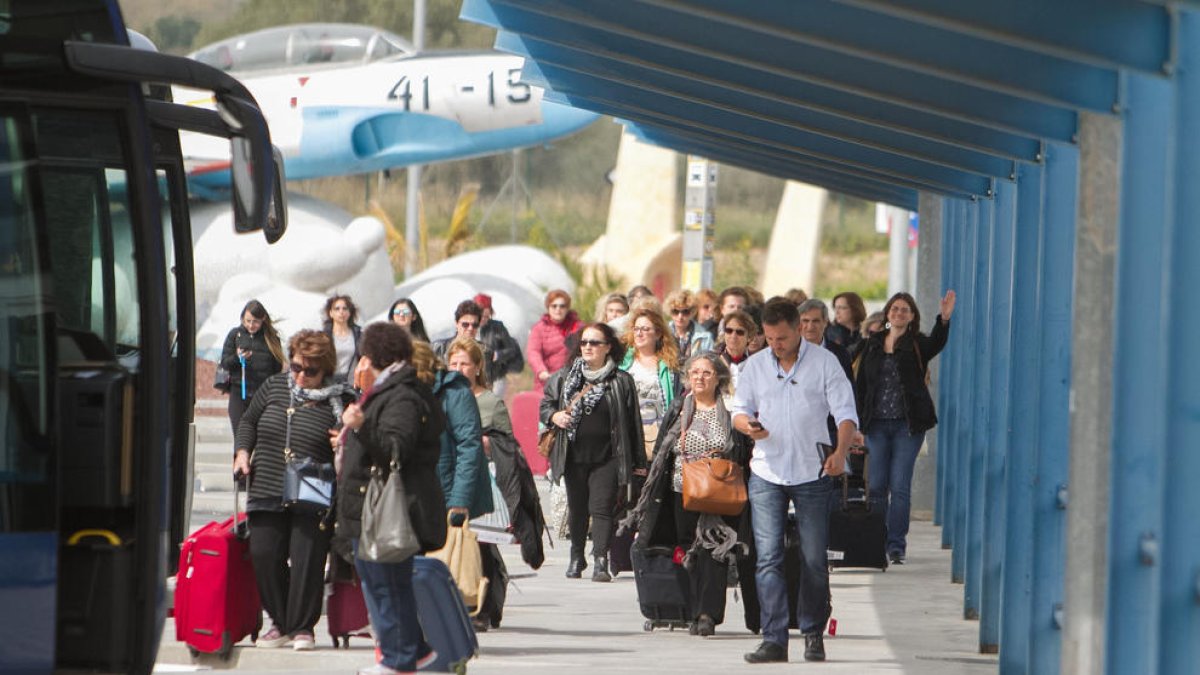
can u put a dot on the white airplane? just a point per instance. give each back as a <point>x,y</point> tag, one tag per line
<point>347,99</point>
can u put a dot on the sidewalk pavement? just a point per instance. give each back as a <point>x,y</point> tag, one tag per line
<point>907,620</point>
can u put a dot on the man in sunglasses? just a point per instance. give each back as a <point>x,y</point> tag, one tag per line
<point>467,318</point>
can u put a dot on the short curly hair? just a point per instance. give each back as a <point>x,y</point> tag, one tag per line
<point>315,347</point>
<point>385,343</point>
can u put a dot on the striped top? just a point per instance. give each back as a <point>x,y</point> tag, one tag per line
<point>263,429</point>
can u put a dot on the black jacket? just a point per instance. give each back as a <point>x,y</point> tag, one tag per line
<point>653,529</point>
<point>918,404</point>
<point>261,364</point>
<point>402,416</point>
<point>843,337</point>
<point>507,357</point>
<point>621,395</point>
<point>515,480</point>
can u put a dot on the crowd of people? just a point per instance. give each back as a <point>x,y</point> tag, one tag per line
<point>635,394</point>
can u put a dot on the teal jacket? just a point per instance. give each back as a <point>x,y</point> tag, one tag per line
<point>462,466</point>
<point>668,380</point>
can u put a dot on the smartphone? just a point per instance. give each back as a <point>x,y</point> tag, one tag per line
<point>755,425</point>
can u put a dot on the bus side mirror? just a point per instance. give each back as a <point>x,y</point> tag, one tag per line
<point>252,163</point>
<point>276,223</point>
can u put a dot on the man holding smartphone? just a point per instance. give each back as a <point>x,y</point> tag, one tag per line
<point>784,396</point>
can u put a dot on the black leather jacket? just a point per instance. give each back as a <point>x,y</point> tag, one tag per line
<point>621,395</point>
<point>918,404</point>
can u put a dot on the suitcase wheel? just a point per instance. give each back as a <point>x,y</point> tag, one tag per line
<point>648,626</point>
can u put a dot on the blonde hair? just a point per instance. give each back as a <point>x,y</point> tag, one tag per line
<point>681,299</point>
<point>425,362</point>
<point>471,348</point>
<point>665,349</point>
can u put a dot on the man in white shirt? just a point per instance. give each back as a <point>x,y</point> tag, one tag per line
<point>785,394</point>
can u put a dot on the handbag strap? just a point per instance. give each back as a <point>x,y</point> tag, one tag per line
<point>287,434</point>
<point>586,388</point>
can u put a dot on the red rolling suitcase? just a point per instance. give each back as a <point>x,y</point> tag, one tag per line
<point>216,596</point>
<point>525,428</point>
<point>345,608</point>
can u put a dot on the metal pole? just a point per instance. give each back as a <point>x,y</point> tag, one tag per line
<point>949,409</point>
<point>1021,464</point>
<point>1003,224</point>
<point>978,435</point>
<point>700,199</point>
<point>967,393</point>
<point>897,251</point>
<point>412,214</point>
<point>1139,372</point>
<point>1178,649</point>
<point>1054,378</point>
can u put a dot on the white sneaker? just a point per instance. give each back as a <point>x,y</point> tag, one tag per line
<point>271,639</point>
<point>304,642</point>
<point>378,669</point>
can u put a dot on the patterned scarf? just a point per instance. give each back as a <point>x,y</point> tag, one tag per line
<point>333,393</point>
<point>576,378</point>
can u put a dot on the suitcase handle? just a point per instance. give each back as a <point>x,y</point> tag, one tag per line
<point>109,535</point>
<point>241,520</point>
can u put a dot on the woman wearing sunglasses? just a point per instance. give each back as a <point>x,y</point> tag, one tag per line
<point>737,330</point>
<point>598,448</point>
<point>295,409</point>
<point>691,337</point>
<point>404,314</point>
<point>546,350</point>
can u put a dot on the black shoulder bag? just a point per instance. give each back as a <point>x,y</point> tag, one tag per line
<point>308,485</point>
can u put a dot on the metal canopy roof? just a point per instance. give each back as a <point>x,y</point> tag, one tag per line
<point>875,98</point>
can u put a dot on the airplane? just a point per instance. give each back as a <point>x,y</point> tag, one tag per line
<point>346,99</point>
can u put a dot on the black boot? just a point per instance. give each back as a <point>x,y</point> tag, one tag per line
<point>576,567</point>
<point>601,571</point>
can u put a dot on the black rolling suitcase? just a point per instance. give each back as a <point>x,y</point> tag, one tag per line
<point>857,529</point>
<point>663,587</point>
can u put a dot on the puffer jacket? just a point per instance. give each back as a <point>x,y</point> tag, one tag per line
<point>547,350</point>
<point>401,416</point>
<point>261,364</point>
<point>621,395</point>
<point>462,467</point>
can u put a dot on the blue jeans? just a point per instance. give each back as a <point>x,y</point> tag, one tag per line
<point>893,454</point>
<point>388,591</point>
<point>768,514</point>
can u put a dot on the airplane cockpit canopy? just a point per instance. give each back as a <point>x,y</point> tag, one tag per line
<point>303,45</point>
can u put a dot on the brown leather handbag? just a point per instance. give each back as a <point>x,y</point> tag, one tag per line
<point>714,485</point>
<point>546,440</point>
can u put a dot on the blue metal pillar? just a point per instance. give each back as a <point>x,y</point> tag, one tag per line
<point>1178,649</point>
<point>966,395</point>
<point>950,392</point>
<point>1140,367</point>
<point>947,251</point>
<point>978,433</point>
<point>1054,385</point>
<point>1003,224</point>
<point>1021,463</point>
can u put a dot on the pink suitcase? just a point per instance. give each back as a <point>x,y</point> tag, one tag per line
<point>525,427</point>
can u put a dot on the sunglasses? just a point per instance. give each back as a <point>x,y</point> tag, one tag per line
<point>310,371</point>
<point>681,312</point>
<point>469,324</point>
<point>592,343</point>
<point>403,311</point>
<point>740,332</point>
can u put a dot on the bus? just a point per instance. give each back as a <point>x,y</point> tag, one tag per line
<point>97,326</point>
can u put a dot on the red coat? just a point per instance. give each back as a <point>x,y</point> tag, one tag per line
<point>546,350</point>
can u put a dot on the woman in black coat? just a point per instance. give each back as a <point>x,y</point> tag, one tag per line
<point>598,448</point>
<point>695,426</point>
<point>397,417</point>
<point>895,408</point>
<point>252,352</point>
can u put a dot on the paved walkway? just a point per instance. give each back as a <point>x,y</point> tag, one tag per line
<point>908,619</point>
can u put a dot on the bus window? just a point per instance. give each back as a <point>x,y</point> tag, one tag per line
<point>24,361</point>
<point>91,239</point>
